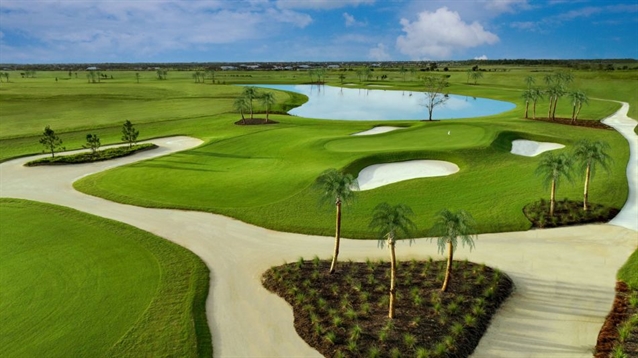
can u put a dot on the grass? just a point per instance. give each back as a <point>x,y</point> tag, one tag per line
<point>271,168</point>
<point>351,319</point>
<point>77,285</point>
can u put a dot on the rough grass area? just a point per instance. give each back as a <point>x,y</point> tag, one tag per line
<point>75,285</point>
<point>566,213</point>
<point>346,314</point>
<point>101,155</point>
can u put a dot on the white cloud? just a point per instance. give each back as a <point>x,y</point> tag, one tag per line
<point>481,58</point>
<point>503,6</point>
<point>379,53</point>
<point>441,33</point>
<point>351,21</point>
<point>320,4</point>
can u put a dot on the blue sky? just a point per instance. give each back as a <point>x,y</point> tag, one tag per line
<point>81,31</point>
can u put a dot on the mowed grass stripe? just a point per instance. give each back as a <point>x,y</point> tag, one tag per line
<point>77,285</point>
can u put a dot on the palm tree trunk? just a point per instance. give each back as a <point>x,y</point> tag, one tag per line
<point>552,199</point>
<point>393,271</point>
<point>586,193</point>
<point>526,108</point>
<point>555,105</point>
<point>337,237</point>
<point>266,115</point>
<point>573,114</point>
<point>534,112</point>
<point>551,103</point>
<point>448,268</point>
<point>580,105</point>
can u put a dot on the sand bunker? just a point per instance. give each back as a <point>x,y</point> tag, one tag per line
<point>378,130</point>
<point>379,175</point>
<point>530,148</point>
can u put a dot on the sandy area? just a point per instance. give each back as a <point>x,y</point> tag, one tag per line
<point>530,148</point>
<point>564,277</point>
<point>378,175</point>
<point>378,130</point>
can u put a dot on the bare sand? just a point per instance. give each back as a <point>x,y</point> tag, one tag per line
<point>379,175</point>
<point>564,277</point>
<point>530,148</point>
<point>378,130</point>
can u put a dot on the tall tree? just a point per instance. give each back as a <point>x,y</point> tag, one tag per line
<point>241,106</point>
<point>537,94</point>
<point>129,133</point>
<point>590,154</point>
<point>434,95</point>
<point>528,96</point>
<point>340,187</point>
<point>449,227</point>
<point>577,97</point>
<point>50,141</point>
<point>392,221</point>
<point>552,168</point>
<point>267,99</point>
<point>250,93</point>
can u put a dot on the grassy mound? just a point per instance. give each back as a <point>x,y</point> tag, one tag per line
<point>106,154</point>
<point>77,285</point>
<point>566,213</point>
<point>345,314</point>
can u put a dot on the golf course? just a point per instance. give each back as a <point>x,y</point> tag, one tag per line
<point>89,255</point>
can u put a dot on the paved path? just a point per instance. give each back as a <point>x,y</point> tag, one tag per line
<point>564,277</point>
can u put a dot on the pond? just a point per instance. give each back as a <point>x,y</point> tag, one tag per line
<point>327,102</point>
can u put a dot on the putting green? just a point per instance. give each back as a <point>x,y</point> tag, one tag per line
<point>74,285</point>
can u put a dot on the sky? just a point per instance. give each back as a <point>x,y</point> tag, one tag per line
<point>98,31</point>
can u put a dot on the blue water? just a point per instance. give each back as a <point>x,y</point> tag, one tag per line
<point>326,102</point>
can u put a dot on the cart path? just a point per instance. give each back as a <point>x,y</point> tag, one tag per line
<point>564,277</point>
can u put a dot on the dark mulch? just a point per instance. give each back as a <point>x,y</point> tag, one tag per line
<point>578,122</point>
<point>567,213</point>
<point>254,121</point>
<point>621,311</point>
<point>345,314</point>
<point>101,155</point>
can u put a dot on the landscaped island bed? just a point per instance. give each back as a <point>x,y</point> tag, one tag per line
<point>345,314</point>
<point>77,285</point>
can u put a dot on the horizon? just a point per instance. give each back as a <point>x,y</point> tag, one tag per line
<point>260,31</point>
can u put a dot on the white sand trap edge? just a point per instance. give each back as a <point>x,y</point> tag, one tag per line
<point>378,175</point>
<point>530,148</point>
<point>379,86</point>
<point>378,130</point>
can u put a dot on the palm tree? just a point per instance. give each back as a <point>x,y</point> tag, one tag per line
<point>339,187</point>
<point>528,95</point>
<point>390,221</point>
<point>241,105</point>
<point>476,75</point>
<point>589,154</point>
<point>553,168</point>
<point>529,81</point>
<point>537,94</point>
<point>267,99</point>
<point>578,98</point>
<point>250,93</point>
<point>449,227</point>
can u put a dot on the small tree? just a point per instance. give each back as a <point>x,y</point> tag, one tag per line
<point>552,168</point>
<point>93,143</point>
<point>578,98</point>
<point>391,221</point>
<point>250,93</point>
<point>528,97</point>
<point>477,75</point>
<point>536,94</point>
<point>137,77</point>
<point>241,106</point>
<point>589,154</point>
<point>339,187</point>
<point>51,141</point>
<point>129,134</point>
<point>434,93</point>
<point>449,227</point>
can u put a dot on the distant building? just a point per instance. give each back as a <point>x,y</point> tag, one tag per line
<point>92,68</point>
<point>228,68</point>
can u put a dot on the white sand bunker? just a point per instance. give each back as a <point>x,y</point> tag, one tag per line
<point>378,130</point>
<point>530,148</point>
<point>379,175</point>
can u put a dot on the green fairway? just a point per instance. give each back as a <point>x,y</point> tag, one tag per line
<point>263,174</point>
<point>75,285</point>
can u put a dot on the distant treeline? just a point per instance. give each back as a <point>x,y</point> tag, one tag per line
<point>600,64</point>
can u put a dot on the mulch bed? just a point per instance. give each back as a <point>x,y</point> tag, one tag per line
<point>346,314</point>
<point>567,213</point>
<point>254,121</point>
<point>608,337</point>
<point>102,155</point>
<point>578,122</point>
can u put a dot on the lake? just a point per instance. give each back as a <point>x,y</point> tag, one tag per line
<point>327,102</point>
